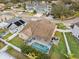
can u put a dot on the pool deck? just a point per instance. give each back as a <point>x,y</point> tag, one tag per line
<point>45,44</point>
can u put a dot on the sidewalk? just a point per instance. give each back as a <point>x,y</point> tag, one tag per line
<point>67,45</point>
<point>9,44</point>
<point>60,30</point>
<point>4,49</point>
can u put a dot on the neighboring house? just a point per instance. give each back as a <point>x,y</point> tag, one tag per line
<point>42,30</point>
<point>2,6</point>
<point>16,25</point>
<point>75,29</point>
<point>30,8</point>
<point>3,24</point>
<point>6,16</point>
<point>39,7</point>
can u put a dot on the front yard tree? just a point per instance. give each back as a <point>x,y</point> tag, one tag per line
<point>3,1</point>
<point>75,6</point>
<point>26,49</point>
<point>67,1</point>
<point>60,11</point>
<point>15,1</point>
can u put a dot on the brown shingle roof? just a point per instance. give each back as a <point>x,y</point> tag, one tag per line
<point>42,28</point>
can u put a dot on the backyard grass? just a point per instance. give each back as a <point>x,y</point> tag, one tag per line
<point>61,26</point>
<point>58,52</point>
<point>1,44</point>
<point>7,36</point>
<point>16,54</point>
<point>74,45</point>
<point>17,41</point>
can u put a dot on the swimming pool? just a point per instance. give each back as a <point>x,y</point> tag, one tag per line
<point>40,47</point>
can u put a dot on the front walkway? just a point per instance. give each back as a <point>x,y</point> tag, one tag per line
<point>60,30</point>
<point>67,45</point>
<point>65,38</point>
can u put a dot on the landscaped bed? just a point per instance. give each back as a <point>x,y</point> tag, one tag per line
<point>17,41</point>
<point>61,26</point>
<point>74,45</point>
<point>58,52</point>
<point>1,44</point>
<point>16,54</point>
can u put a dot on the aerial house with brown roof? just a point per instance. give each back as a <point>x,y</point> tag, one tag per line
<point>38,34</point>
<point>42,30</point>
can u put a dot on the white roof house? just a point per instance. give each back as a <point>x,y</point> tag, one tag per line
<point>3,24</point>
<point>16,25</point>
<point>75,30</point>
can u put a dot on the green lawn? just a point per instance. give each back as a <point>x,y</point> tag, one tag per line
<point>17,41</point>
<point>77,14</point>
<point>74,45</point>
<point>58,52</point>
<point>7,36</point>
<point>1,31</point>
<point>16,54</point>
<point>61,26</point>
<point>1,44</point>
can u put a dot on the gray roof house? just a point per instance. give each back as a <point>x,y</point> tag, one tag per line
<point>75,30</point>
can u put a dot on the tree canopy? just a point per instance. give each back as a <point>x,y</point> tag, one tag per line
<point>67,1</point>
<point>60,10</point>
<point>75,6</point>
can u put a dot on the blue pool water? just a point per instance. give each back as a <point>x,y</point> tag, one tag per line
<point>40,47</point>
